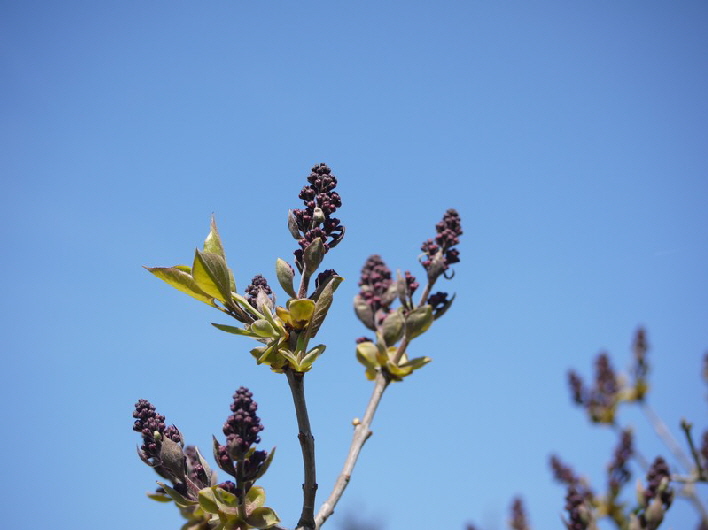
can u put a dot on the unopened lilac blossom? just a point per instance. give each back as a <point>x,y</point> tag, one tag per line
<point>242,427</point>
<point>440,252</point>
<point>258,283</point>
<point>316,220</point>
<point>238,457</point>
<point>579,515</point>
<point>658,478</point>
<point>577,390</point>
<point>151,426</point>
<point>519,520</point>
<point>375,282</point>
<point>618,472</point>
<point>566,475</point>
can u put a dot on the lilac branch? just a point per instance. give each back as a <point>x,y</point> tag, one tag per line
<point>296,380</point>
<point>361,434</point>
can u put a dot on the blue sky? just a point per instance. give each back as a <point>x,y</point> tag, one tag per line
<point>570,136</point>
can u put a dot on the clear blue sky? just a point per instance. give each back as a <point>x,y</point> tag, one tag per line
<point>571,136</point>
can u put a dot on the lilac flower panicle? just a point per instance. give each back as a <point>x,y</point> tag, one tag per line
<point>258,283</point>
<point>577,390</point>
<point>618,472</point>
<point>242,427</point>
<point>658,473</point>
<point>579,515</point>
<point>321,201</point>
<point>440,252</point>
<point>375,282</point>
<point>148,422</point>
<point>519,520</point>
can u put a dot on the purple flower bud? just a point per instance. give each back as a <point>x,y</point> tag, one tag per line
<point>320,203</point>
<point>439,253</point>
<point>258,283</point>
<point>151,426</point>
<point>242,427</point>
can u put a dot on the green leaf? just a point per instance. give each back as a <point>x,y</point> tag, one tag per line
<point>235,330</point>
<point>292,225</point>
<point>313,256</point>
<point>255,498</point>
<point>159,497</point>
<point>301,312</point>
<point>324,302</point>
<point>418,321</point>
<point>364,312</point>
<point>263,518</point>
<point>181,280</point>
<point>212,243</point>
<point>212,275</point>
<point>311,357</point>
<point>177,497</point>
<point>285,274</point>
<point>416,363</point>
<point>207,500</point>
<point>263,328</point>
<point>392,328</point>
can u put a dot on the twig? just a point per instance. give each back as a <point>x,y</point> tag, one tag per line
<point>663,432</point>
<point>296,380</point>
<point>361,434</point>
<point>687,427</point>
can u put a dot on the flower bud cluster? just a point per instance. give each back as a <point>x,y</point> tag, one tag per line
<point>315,221</point>
<point>655,499</point>
<point>658,478</point>
<point>151,426</point>
<point>440,253</point>
<point>565,474</point>
<point>239,457</point>
<point>375,291</point>
<point>579,511</point>
<point>258,283</point>
<point>518,520</point>
<point>242,427</point>
<point>618,472</point>
<point>601,400</point>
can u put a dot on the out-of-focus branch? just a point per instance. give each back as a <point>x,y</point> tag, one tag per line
<point>296,380</point>
<point>665,434</point>
<point>361,434</point>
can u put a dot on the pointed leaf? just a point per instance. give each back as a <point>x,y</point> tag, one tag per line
<point>285,274</point>
<point>177,497</point>
<point>263,518</point>
<point>255,498</point>
<point>311,357</point>
<point>207,501</point>
<point>212,243</point>
<point>235,330</point>
<point>212,275</point>
<point>292,225</point>
<point>392,328</point>
<point>313,256</point>
<point>182,281</point>
<point>263,328</point>
<point>324,302</point>
<point>364,312</point>
<point>418,321</point>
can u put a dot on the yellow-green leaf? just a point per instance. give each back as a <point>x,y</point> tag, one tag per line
<point>212,243</point>
<point>182,281</point>
<point>212,275</point>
